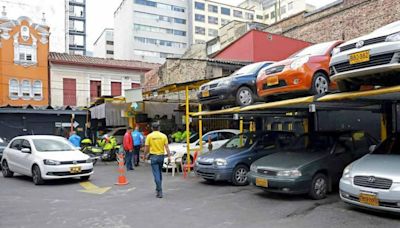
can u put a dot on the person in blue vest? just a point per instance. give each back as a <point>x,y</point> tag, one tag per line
<point>75,139</point>
<point>138,138</point>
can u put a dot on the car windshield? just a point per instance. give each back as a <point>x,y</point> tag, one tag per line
<point>240,141</point>
<point>389,146</point>
<point>318,49</point>
<point>52,145</point>
<point>249,69</point>
<point>311,143</point>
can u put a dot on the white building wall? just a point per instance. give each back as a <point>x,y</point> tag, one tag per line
<point>123,28</point>
<point>100,48</point>
<point>83,75</point>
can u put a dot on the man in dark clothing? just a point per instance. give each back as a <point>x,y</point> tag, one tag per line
<point>128,147</point>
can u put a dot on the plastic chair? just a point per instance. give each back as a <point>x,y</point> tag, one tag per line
<point>186,166</point>
<point>174,166</point>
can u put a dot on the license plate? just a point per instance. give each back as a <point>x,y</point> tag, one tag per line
<point>359,57</point>
<point>369,199</point>
<point>262,182</point>
<point>75,169</point>
<point>272,81</point>
<point>205,93</point>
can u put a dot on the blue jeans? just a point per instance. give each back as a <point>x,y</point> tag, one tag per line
<point>157,162</point>
<point>128,160</point>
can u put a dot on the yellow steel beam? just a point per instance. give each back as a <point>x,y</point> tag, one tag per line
<point>217,112</point>
<point>200,131</point>
<point>277,104</point>
<point>187,128</point>
<point>359,94</point>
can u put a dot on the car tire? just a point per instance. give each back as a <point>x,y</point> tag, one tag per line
<point>320,84</point>
<point>345,86</point>
<point>319,187</point>
<point>239,175</point>
<point>6,170</point>
<point>244,96</point>
<point>37,175</point>
<point>85,178</point>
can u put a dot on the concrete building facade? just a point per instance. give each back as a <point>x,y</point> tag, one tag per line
<point>276,10</point>
<point>75,33</point>
<point>103,47</point>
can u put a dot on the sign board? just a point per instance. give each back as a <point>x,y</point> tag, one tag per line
<point>66,124</point>
<point>133,95</point>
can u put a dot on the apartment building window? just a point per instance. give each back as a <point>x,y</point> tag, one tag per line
<point>200,30</point>
<point>249,16</point>
<point>225,11</point>
<point>213,32</point>
<point>199,42</point>
<point>37,90</point>
<point>213,20</point>
<point>160,5</point>
<point>273,15</point>
<point>165,55</point>
<point>160,42</point>
<point>224,21</point>
<point>178,9</point>
<point>13,89</point>
<point>237,13</point>
<point>110,42</point>
<point>283,10</point>
<point>179,21</point>
<point>26,54</point>
<point>199,18</point>
<point>110,52</point>
<point>146,53</point>
<point>116,89</point>
<point>26,89</point>
<point>199,5</point>
<point>259,17</point>
<point>212,8</point>
<point>266,16</point>
<point>146,28</point>
<point>157,18</point>
<point>290,6</point>
<point>179,33</point>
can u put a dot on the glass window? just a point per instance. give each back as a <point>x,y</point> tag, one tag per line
<point>225,135</point>
<point>179,33</point>
<point>200,30</point>
<point>259,17</point>
<point>199,41</point>
<point>179,21</point>
<point>213,32</point>
<point>290,6</point>
<point>110,42</point>
<point>249,69</point>
<point>25,144</point>
<point>225,11</point>
<point>199,17</point>
<point>266,16</point>
<point>14,89</point>
<point>52,145</point>
<point>16,144</point>
<point>390,146</point>
<point>283,10</point>
<point>178,9</point>
<point>109,52</point>
<point>199,5</point>
<point>273,15</point>
<point>237,13</point>
<point>26,53</point>
<point>212,136</point>
<point>213,20</point>
<point>37,90</point>
<point>212,8</point>
<point>26,89</point>
<point>249,16</point>
<point>240,141</point>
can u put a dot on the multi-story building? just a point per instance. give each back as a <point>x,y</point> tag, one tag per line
<point>276,10</point>
<point>103,47</point>
<point>150,31</point>
<point>23,62</point>
<point>75,34</point>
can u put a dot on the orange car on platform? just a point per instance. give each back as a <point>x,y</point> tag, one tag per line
<point>306,71</point>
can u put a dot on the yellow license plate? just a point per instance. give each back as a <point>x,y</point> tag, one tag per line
<point>272,81</point>
<point>205,93</point>
<point>262,182</point>
<point>359,57</point>
<point>369,199</point>
<point>75,169</point>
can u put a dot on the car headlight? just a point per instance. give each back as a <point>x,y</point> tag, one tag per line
<point>273,70</point>
<point>220,162</point>
<point>224,83</point>
<point>253,168</point>
<point>51,162</point>
<point>346,171</point>
<point>289,173</point>
<point>299,62</point>
<point>335,51</point>
<point>393,37</point>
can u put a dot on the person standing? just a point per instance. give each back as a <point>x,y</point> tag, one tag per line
<point>137,143</point>
<point>156,144</point>
<point>75,139</point>
<point>128,148</point>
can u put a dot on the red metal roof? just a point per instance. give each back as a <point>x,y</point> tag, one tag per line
<point>67,59</point>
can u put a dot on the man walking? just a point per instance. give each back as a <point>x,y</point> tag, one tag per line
<point>156,143</point>
<point>137,143</point>
<point>128,148</point>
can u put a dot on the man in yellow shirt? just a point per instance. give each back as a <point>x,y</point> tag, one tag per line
<point>156,144</point>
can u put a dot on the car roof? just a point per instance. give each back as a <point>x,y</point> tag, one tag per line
<point>38,137</point>
<point>224,130</point>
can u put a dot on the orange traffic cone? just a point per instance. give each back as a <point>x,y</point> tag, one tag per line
<point>121,170</point>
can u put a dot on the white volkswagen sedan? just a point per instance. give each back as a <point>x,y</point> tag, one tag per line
<point>45,157</point>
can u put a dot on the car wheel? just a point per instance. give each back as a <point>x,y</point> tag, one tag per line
<point>6,170</point>
<point>37,175</point>
<point>320,84</point>
<point>244,96</point>
<point>239,176</point>
<point>345,86</point>
<point>319,187</point>
<point>85,178</point>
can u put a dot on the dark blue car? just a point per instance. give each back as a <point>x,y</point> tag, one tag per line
<point>238,89</point>
<point>232,161</point>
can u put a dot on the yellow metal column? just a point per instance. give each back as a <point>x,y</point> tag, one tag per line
<point>200,131</point>
<point>187,128</point>
<point>383,126</point>
<point>241,131</point>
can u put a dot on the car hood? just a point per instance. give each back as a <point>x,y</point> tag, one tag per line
<point>63,155</point>
<point>389,29</point>
<point>222,153</point>
<point>379,165</point>
<point>288,160</point>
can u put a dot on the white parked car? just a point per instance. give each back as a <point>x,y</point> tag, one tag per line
<point>44,158</point>
<point>218,138</point>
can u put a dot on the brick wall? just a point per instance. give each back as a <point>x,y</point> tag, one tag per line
<point>344,19</point>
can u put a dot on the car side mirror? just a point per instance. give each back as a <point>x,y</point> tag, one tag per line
<point>372,148</point>
<point>26,150</point>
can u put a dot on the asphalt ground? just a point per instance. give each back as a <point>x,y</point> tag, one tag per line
<point>189,202</point>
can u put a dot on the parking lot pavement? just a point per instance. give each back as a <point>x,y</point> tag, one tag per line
<point>187,203</point>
